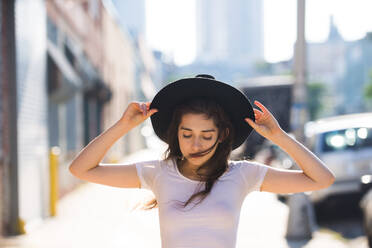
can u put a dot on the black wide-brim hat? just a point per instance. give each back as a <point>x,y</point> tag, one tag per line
<point>232,100</point>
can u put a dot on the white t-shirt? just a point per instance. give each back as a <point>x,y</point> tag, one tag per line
<point>211,223</point>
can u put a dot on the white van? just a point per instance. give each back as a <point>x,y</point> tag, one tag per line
<point>344,144</point>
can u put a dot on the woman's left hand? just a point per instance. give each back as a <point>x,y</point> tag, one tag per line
<point>265,123</point>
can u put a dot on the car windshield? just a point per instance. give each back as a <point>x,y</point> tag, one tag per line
<point>347,139</point>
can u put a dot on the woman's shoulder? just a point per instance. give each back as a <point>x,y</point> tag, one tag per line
<point>251,172</point>
<point>235,167</point>
<point>155,168</point>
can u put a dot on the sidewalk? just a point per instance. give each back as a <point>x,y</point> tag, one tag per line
<point>94,215</point>
<point>101,216</point>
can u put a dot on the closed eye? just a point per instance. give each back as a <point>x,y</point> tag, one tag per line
<point>189,136</point>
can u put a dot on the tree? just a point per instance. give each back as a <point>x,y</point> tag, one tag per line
<point>368,93</point>
<point>316,91</point>
<point>263,67</point>
<point>368,87</point>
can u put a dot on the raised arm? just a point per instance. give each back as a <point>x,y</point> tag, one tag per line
<point>314,175</point>
<point>86,164</point>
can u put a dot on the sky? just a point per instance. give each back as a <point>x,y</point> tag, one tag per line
<point>171,25</point>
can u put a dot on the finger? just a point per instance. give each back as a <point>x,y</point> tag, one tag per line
<point>152,111</point>
<point>143,108</point>
<point>261,106</point>
<point>137,105</point>
<point>251,122</point>
<point>148,105</point>
<point>140,106</point>
<point>257,112</point>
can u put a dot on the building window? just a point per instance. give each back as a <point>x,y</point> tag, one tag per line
<point>52,31</point>
<point>69,55</point>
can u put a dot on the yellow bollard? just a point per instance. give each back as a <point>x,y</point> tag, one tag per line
<point>53,163</point>
<point>21,226</point>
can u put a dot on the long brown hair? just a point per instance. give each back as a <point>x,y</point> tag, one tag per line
<point>218,163</point>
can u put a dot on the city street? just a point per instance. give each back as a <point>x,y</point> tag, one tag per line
<point>81,80</point>
<point>101,216</point>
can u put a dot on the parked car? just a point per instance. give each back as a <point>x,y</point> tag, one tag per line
<point>344,144</point>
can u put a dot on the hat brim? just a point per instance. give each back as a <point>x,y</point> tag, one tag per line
<point>232,100</point>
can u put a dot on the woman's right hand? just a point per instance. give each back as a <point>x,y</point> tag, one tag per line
<point>136,113</point>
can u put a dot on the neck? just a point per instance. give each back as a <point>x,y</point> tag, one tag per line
<point>185,167</point>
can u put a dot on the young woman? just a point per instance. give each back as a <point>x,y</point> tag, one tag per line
<point>199,192</point>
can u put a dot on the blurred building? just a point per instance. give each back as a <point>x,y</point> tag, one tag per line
<point>326,60</point>
<point>106,59</point>
<point>165,68</point>
<point>358,59</point>
<point>76,70</point>
<point>132,15</point>
<point>152,67</point>
<point>229,40</point>
<point>343,67</point>
<point>9,125</point>
<point>32,104</point>
<point>24,128</point>
<point>77,91</point>
<point>326,63</point>
<point>230,31</point>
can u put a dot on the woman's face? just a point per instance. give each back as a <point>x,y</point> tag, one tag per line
<point>197,133</point>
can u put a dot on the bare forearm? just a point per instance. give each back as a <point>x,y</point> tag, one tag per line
<point>94,152</point>
<point>311,165</point>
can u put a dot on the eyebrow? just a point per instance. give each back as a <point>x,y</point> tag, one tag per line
<point>204,131</point>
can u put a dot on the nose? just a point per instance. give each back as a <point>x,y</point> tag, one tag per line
<point>196,144</point>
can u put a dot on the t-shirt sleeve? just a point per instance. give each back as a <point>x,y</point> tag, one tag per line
<point>147,172</point>
<point>253,174</point>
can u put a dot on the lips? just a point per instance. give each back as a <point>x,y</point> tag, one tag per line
<point>196,155</point>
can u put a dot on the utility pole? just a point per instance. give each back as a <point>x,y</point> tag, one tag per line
<point>301,221</point>
<point>8,83</point>
<point>299,107</point>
